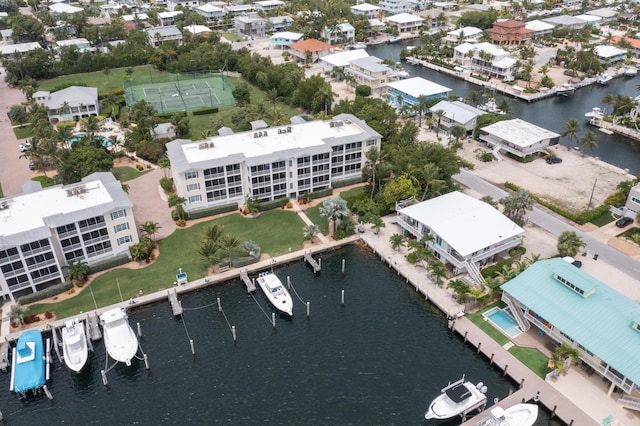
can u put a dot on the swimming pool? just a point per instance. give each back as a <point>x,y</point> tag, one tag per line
<point>503,321</point>
<point>106,142</point>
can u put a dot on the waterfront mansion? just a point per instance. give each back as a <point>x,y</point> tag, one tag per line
<point>270,163</point>
<point>44,229</point>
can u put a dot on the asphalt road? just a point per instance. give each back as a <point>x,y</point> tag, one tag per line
<point>556,226</point>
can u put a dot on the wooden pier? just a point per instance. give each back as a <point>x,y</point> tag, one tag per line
<point>4,356</point>
<point>251,287</point>
<point>311,261</point>
<point>93,327</point>
<point>176,306</point>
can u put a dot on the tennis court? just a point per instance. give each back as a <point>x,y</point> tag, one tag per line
<point>181,92</point>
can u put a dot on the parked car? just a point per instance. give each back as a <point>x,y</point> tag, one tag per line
<point>554,160</point>
<point>624,221</point>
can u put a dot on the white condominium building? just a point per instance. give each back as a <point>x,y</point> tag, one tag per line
<point>44,229</point>
<point>270,163</point>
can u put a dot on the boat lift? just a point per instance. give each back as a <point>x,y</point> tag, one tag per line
<point>47,371</point>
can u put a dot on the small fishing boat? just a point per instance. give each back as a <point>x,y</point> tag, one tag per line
<point>28,366</point>
<point>394,40</point>
<point>458,398</point>
<point>119,339</point>
<point>277,294</point>
<point>74,345</point>
<point>595,113</point>
<point>565,90</point>
<point>631,72</point>
<point>491,106</point>
<point>516,415</point>
<point>603,78</point>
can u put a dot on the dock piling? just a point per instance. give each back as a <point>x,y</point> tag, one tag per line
<point>479,345</point>
<point>146,361</point>
<point>233,333</point>
<point>308,311</point>
<point>104,378</point>
<point>343,262</point>
<point>273,320</point>
<point>139,329</point>
<point>193,350</point>
<point>47,392</point>
<point>342,298</point>
<point>491,359</point>
<point>504,373</point>
<point>219,305</point>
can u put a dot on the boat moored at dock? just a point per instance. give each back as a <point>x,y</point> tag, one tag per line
<point>75,350</point>
<point>28,363</point>
<point>277,294</point>
<point>631,72</point>
<point>119,339</point>
<point>457,399</point>
<point>516,415</point>
<point>595,113</point>
<point>603,78</point>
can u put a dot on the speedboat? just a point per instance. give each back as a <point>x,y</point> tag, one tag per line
<point>516,415</point>
<point>74,345</point>
<point>491,106</point>
<point>565,90</point>
<point>394,40</point>
<point>603,78</point>
<point>456,399</point>
<point>119,339</point>
<point>28,366</point>
<point>277,294</point>
<point>595,113</point>
<point>631,72</point>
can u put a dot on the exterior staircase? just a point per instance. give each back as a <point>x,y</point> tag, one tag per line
<point>496,152</point>
<point>474,275</point>
<point>517,314</point>
<point>631,402</point>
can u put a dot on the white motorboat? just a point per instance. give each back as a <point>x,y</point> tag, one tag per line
<point>491,106</point>
<point>277,294</point>
<point>456,399</point>
<point>74,345</point>
<point>631,72</point>
<point>603,78</point>
<point>565,90</point>
<point>119,339</point>
<point>516,415</point>
<point>595,113</point>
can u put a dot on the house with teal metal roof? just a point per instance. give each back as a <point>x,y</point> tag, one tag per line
<point>572,307</point>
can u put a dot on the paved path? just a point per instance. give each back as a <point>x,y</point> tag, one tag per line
<point>149,202</point>
<point>306,220</point>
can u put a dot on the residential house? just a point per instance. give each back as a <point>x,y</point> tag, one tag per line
<point>310,50</point>
<point>10,51</point>
<point>196,30</point>
<point>592,20</point>
<point>434,20</point>
<point>239,9</point>
<point>518,137</point>
<point>251,25</point>
<point>609,55</point>
<point>210,12</point>
<point>342,59</point>
<point>466,233</point>
<point>44,229</point>
<point>395,6</point>
<point>540,29</point>
<point>370,71</point>
<point>110,9</point>
<point>632,206</point>
<point>276,24</point>
<point>407,92</point>
<point>168,19</point>
<point>404,22</point>
<point>187,4</point>
<point>366,9</point>
<point>634,42</point>
<point>59,9</point>
<point>282,40</point>
<point>565,21</point>
<point>136,21</point>
<point>462,35</point>
<point>268,5</point>
<point>606,14</point>
<point>159,35</point>
<point>72,103</point>
<point>569,306</point>
<point>278,162</point>
<point>340,34</point>
<point>82,44</point>
<point>510,33</point>
<point>456,113</point>
<point>6,36</point>
<point>486,58</point>
<point>376,26</point>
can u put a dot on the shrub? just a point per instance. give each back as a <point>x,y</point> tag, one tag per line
<point>363,90</point>
<point>273,204</point>
<point>51,291</point>
<point>166,184</point>
<point>140,167</point>
<point>181,223</point>
<point>485,157</point>
<point>48,314</point>
<point>142,250</point>
<point>212,211</point>
<point>346,182</point>
<point>493,270</point>
<point>109,263</point>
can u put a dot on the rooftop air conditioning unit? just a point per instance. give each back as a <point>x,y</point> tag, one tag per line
<point>288,129</point>
<point>332,124</point>
<point>265,133</point>
<point>256,135</point>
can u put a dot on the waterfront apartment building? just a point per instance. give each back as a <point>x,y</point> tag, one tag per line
<point>283,161</point>
<point>42,230</point>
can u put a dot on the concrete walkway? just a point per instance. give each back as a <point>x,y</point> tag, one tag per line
<point>306,220</point>
<point>150,203</point>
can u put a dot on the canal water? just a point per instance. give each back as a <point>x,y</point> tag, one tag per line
<point>377,360</point>
<point>551,113</point>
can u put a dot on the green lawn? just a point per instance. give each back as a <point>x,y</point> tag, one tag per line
<point>44,181</point>
<point>126,173</point>
<point>179,250</point>
<point>485,326</point>
<point>313,213</point>
<point>603,219</point>
<point>532,358</point>
<point>23,132</point>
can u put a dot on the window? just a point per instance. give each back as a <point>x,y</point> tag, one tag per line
<point>118,214</point>
<point>124,240</point>
<point>191,175</point>
<point>66,228</point>
<point>193,187</point>
<point>13,251</point>
<point>195,198</point>
<point>121,227</point>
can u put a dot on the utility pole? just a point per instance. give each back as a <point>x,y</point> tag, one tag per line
<point>592,191</point>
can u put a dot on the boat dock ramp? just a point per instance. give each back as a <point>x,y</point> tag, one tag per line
<point>176,306</point>
<point>93,329</point>
<point>311,261</point>
<point>244,276</point>
<point>4,355</point>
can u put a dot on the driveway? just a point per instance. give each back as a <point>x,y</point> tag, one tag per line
<point>148,203</point>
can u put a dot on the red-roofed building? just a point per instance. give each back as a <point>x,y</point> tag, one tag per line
<point>316,48</point>
<point>634,42</point>
<point>509,33</point>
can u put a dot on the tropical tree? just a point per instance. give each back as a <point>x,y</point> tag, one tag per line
<point>439,114</point>
<point>422,104</point>
<point>16,315</point>
<point>569,244</point>
<point>180,122</point>
<point>397,241</point>
<point>438,271</point>
<point>150,228</point>
<point>458,132</point>
<point>376,222</point>
<point>373,157</point>
<point>214,233</point>
<point>209,251</point>
<point>310,231</point>
<point>92,126</point>
<point>516,205</point>
<point>251,204</point>
<point>77,271</point>
<point>334,209</point>
<point>178,202</point>
<point>479,295</point>
<point>589,142</point>
<point>251,247</point>
<point>165,165</point>
<point>571,129</point>
<point>430,172</point>
<point>489,200</point>
<point>229,243</point>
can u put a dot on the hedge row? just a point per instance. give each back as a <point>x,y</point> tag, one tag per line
<point>241,262</point>
<point>318,194</point>
<point>580,218</point>
<point>347,182</point>
<point>54,290</point>
<point>205,111</point>
<point>112,262</point>
<point>493,270</point>
<point>212,211</point>
<point>273,204</point>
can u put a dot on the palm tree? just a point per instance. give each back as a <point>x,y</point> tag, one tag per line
<point>92,126</point>
<point>438,271</point>
<point>504,106</point>
<point>178,202</point>
<point>516,205</point>
<point>458,132</point>
<point>479,295</point>
<point>397,241</point>
<point>430,172</point>
<point>373,157</point>
<point>16,315</point>
<point>569,244</point>
<point>310,231</point>
<point>571,129</point>
<point>214,233</point>
<point>165,164</point>
<point>209,251</point>
<point>439,114</point>
<point>422,104</point>
<point>334,209</point>
<point>251,247</point>
<point>589,142</point>
<point>77,271</point>
<point>277,116</point>
<point>252,205</point>
<point>228,243</point>
<point>150,228</point>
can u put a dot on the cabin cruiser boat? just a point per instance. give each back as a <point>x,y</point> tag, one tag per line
<point>491,106</point>
<point>74,345</point>
<point>277,294</point>
<point>565,90</point>
<point>457,399</point>
<point>603,78</point>
<point>631,72</point>
<point>119,338</point>
<point>516,415</point>
<point>595,113</point>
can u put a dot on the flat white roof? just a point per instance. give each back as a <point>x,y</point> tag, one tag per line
<point>608,51</point>
<point>208,7</point>
<point>458,111</point>
<point>467,31</point>
<point>465,223</point>
<point>403,18</point>
<point>342,59</point>
<point>197,29</point>
<point>589,18</point>
<point>169,14</point>
<point>519,132</point>
<point>9,49</point>
<point>287,35</point>
<point>64,8</point>
<point>418,86</point>
<point>365,7</point>
<point>267,3</point>
<point>538,25</point>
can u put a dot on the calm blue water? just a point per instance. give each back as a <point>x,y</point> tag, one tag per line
<point>504,321</point>
<point>379,360</point>
<point>550,113</point>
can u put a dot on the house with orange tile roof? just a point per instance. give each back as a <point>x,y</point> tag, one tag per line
<point>510,33</point>
<point>634,42</point>
<point>316,48</point>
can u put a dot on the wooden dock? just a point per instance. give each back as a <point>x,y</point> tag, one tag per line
<point>176,306</point>
<point>4,356</point>
<point>93,327</point>
<point>311,261</point>
<point>251,287</point>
